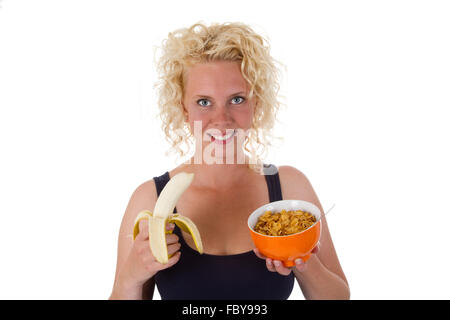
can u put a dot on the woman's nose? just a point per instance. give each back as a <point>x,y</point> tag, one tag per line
<point>222,115</point>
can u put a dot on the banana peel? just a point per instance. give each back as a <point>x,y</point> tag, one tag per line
<point>163,214</point>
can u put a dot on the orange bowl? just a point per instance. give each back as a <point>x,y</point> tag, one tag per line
<point>291,247</point>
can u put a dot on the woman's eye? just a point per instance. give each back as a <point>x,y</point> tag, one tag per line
<point>206,103</point>
<point>238,100</point>
<point>200,102</point>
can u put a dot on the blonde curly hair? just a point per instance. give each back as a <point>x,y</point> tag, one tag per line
<point>230,42</point>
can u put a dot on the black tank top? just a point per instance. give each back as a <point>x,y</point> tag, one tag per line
<point>216,277</point>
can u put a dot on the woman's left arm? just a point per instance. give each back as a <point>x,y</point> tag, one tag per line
<point>321,277</point>
<point>318,282</point>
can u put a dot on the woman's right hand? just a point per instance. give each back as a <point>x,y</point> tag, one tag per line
<point>141,264</point>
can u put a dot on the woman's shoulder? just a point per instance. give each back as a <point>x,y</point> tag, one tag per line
<point>149,187</point>
<point>291,175</point>
<point>143,197</point>
<point>148,191</point>
<point>295,185</point>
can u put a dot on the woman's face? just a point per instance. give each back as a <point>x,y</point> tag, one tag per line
<point>216,95</point>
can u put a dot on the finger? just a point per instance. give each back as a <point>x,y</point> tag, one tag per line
<point>171,249</point>
<point>143,225</point>
<point>259,254</point>
<point>143,229</point>
<point>174,259</point>
<point>280,268</point>
<point>170,226</point>
<point>143,248</point>
<point>171,238</point>
<point>300,265</point>
<point>269,265</point>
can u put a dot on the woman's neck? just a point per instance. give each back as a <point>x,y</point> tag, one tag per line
<point>219,176</point>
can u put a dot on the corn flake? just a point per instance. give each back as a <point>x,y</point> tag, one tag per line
<point>284,223</point>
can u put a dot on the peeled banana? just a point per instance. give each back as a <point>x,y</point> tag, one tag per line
<point>163,214</point>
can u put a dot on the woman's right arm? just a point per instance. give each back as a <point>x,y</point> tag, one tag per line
<point>136,265</point>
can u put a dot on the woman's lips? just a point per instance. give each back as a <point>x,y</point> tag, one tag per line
<point>223,139</point>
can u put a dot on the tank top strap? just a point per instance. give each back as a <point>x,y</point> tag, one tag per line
<point>160,183</point>
<point>273,182</point>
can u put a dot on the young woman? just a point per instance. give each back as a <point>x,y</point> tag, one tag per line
<point>218,90</point>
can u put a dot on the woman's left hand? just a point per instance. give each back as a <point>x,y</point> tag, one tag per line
<point>277,266</point>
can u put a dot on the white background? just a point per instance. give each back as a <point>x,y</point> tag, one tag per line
<point>366,86</point>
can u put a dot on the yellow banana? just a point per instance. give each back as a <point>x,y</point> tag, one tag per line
<point>163,214</point>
